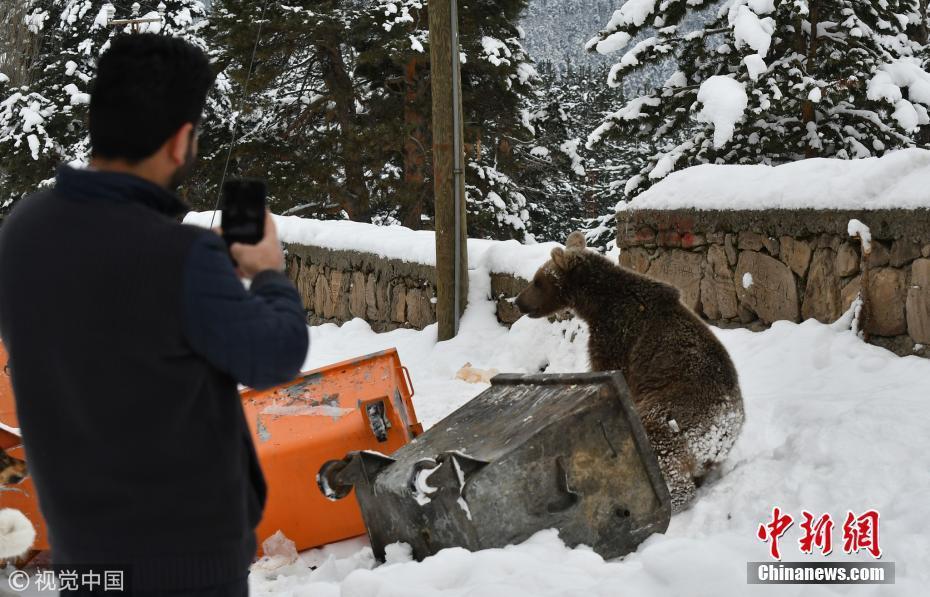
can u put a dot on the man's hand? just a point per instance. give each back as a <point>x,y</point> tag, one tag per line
<point>267,254</point>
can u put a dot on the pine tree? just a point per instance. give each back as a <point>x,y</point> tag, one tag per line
<point>43,123</point>
<point>582,103</point>
<point>341,124</point>
<point>767,81</point>
<point>296,106</point>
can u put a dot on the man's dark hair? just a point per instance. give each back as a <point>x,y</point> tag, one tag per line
<point>147,87</point>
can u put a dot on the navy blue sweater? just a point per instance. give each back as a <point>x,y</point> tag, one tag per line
<point>127,334</point>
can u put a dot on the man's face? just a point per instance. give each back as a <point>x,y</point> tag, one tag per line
<point>184,170</point>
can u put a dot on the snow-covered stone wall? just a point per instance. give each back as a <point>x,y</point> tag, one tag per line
<point>339,285</point>
<point>752,267</point>
<point>386,274</point>
<point>749,245</point>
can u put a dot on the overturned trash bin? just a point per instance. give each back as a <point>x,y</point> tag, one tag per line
<point>530,453</point>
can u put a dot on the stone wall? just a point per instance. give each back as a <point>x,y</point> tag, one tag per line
<point>751,268</point>
<point>337,286</point>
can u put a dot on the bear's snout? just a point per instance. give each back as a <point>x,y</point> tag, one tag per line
<point>526,305</point>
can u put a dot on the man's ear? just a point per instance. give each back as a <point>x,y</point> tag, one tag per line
<point>179,144</point>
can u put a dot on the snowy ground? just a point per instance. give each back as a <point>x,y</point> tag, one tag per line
<point>832,425</point>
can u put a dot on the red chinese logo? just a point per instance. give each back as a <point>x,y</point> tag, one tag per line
<point>817,533</point>
<point>859,532</point>
<point>774,530</point>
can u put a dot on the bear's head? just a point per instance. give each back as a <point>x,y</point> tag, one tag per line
<point>547,293</point>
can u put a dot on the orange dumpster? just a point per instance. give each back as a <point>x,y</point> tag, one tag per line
<point>359,404</point>
<point>21,496</point>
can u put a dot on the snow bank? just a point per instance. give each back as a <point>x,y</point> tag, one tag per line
<point>900,179</point>
<point>831,424</point>
<point>397,242</point>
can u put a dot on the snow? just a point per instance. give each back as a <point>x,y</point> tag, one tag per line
<point>633,12</point>
<point>724,101</point>
<point>35,21</point>
<point>570,148</point>
<point>762,7</point>
<point>906,115</point>
<point>101,20</point>
<point>183,18</point>
<point>4,79</point>
<point>750,30</point>
<point>397,242</point>
<point>857,229</point>
<point>526,72</point>
<point>154,26</point>
<point>76,96</point>
<point>421,488</point>
<point>831,424</point>
<point>495,51</point>
<point>755,66</point>
<point>676,79</point>
<point>34,146</point>
<point>613,42</point>
<point>747,280</point>
<point>16,533</point>
<point>631,58</point>
<point>30,115</point>
<point>886,85</point>
<point>631,111</point>
<point>899,179</point>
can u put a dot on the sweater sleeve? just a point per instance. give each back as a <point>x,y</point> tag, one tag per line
<point>258,336</point>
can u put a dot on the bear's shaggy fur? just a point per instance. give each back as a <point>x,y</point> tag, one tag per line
<point>681,378</point>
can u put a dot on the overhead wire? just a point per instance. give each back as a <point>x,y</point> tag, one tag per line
<point>235,124</point>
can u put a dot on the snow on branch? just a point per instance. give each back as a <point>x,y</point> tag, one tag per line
<point>724,101</point>
<point>887,86</point>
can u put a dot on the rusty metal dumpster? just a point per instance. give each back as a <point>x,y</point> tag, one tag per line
<point>532,452</point>
<point>363,403</point>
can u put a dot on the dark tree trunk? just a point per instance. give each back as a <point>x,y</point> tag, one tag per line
<point>356,200</point>
<point>923,34</point>
<point>809,113</point>
<point>416,146</point>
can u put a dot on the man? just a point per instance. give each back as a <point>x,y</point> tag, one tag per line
<point>127,334</point>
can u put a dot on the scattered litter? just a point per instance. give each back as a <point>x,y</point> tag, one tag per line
<point>470,374</point>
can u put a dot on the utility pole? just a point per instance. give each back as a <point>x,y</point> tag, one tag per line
<point>448,166</point>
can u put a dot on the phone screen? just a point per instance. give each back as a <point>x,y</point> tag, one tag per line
<point>244,210</point>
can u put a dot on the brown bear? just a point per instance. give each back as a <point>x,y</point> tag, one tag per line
<point>681,378</point>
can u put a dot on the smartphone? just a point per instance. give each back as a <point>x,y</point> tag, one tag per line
<point>244,201</point>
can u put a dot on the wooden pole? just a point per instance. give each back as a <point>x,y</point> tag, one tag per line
<point>448,167</point>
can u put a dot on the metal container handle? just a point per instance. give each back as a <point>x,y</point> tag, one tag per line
<point>408,380</point>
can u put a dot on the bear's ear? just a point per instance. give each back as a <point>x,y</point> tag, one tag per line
<point>576,240</point>
<point>566,260</point>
